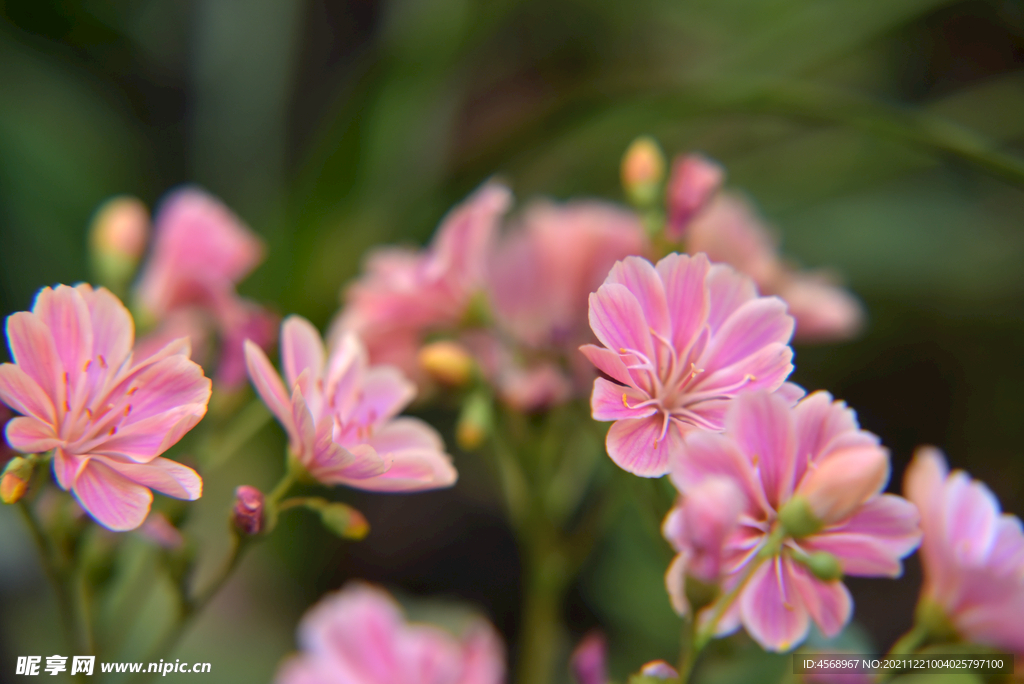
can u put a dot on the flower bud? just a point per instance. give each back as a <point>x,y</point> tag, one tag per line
<point>798,518</point>
<point>247,516</point>
<point>643,170</point>
<point>588,660</point>
<point>694,181</point>
<point>117,239</point>
<point>447,362</point>
<point>15,479</point>
<point>659,669</point>
<point>837,485</point>
<point>822,565</point>
<point>475,422</point>
<point>344,521</point>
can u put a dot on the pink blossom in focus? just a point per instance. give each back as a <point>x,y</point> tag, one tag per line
<point>729,231</point>
<point>406,293</point>
<point>694,181</point>
<point>769,448</point>
<point>340,414</point>
<point>972,554</point>
<point>200,252</point>
<point>359,636</point>
<point>680,341</point>
<point>106,416</point>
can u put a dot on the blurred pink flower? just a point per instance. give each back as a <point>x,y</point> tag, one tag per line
<point>339,414</point>
<point>769,449</point>
<point>107,417</point>
<point>589,661</point>
<point>359,636</point>
<point>730,232</point>
<point>406,293</point>
<point>972,555</point>
<point>200,252</point>
<point>694,181</point>
<point>159,530</point>
<point>681,340</point>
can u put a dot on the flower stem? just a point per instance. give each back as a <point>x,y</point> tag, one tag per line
<point>542,624</point>
<point>65,603</point>
<point>688,650</point>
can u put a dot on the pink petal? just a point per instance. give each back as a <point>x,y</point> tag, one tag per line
<point>24,395</point>
<point>166,385</point>
<point>828,603</point>
<point>754,325</point>
<point>823,312</point>
<point>301,349</point>
<point>406,433</point>
<point>34,351</point>
<point>483,656</point>
<point>686,290</point>
<point>110,498</point>
<point>728,290</point>
<point>417,459</point>
<point>269,386</point>
<point>971,512</point>
<point>608,362</point>
<point>67,467</point>
<point>635,445</point>
<point>675,583</point>
<point>638,276</point>
<point>357,628</point>
<point>872,541</point>
<point>113,329</point>
<point>162,474</point>
<point>709,455</point>
<point>614,402</point>
<point>143,440</point>
<point>762,427</point>
<point>773,610</point>
<point>30,436</point>
<point>65,313</point>
<point>618,320</point>
<point>385,392</point>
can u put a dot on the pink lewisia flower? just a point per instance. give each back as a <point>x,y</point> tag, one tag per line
<point>340,414</point>
<point>730,232</point>
<point>973,556</point>
<point>107,417</point>
<point>201,251</point>
<point>359,636</point>
<point>771,450</point>
<point>406,293</point>
<point>681,340</point>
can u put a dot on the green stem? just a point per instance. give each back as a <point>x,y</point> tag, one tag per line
<point>65,604</point>
<point>910,642</point>
<point>542,624</point>
<point>688,651</point>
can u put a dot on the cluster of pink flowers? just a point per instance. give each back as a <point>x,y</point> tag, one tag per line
<point>725,227</point>
<point>200,252</point>
<point>340,414</point>
<point>106,414</point>
<point>517,302</point>
<point>359,636</point>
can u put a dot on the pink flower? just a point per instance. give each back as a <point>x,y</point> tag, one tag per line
<point>973,556</point>
<point>694,181</point>
<point>201,251</point>
<point>769,450</point>
<point>339,414</point>
<point>680,341</point>
<point>730,232</point>
<point>107,417</point>
<point>359,636</point>
<point>589,661</point>
<point>406,293</point>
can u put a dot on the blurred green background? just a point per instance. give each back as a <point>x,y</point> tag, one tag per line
<point>882,138</point>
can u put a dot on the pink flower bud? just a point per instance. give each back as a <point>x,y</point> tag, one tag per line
<point>694,181</point>
<point>837,485</point>
<point>588,661</point>
<point>659,669</point>
<point>15,479</point>
<point>120,227</point>
<point>643,170</point>
<point>247,515</point>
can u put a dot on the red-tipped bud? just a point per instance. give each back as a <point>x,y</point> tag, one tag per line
<point>643,170</point>
<point>15,479</point>
<point>247,515</point>
<point>447,362</point>
<point>694,181</point>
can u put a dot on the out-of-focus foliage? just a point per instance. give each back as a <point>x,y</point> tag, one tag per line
<point>881,138</point>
